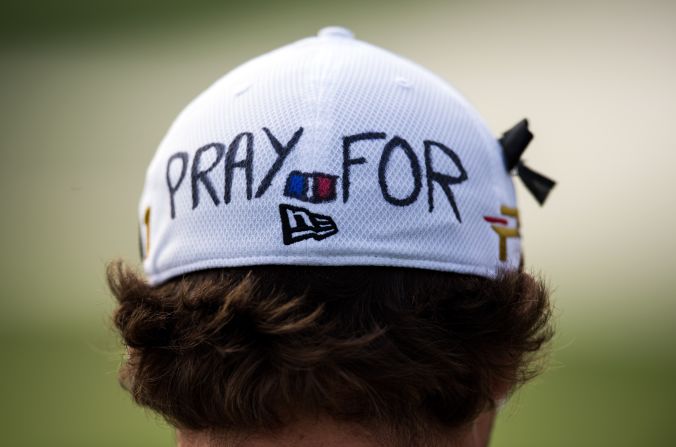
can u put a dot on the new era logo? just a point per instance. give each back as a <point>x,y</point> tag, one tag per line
<point>299,224</point>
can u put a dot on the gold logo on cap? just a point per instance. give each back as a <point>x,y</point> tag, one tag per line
<point>500,226</point>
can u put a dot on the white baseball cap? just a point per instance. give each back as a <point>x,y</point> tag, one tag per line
<point>332,151</point>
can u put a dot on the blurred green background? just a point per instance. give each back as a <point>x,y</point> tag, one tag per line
<point>87,90</point>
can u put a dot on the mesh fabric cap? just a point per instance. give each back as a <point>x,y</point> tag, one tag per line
<point>329,151</point>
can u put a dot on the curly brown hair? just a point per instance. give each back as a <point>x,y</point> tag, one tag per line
<point>252,348</point>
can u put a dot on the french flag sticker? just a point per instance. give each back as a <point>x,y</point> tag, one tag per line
<point>313,187</point>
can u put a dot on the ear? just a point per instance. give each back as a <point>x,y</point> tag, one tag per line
<point>501,390</point>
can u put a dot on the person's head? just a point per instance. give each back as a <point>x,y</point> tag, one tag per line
<point>332,256</point>
<point>402,356</point>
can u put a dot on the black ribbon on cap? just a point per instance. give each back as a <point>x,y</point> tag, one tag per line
<point>513,143</point>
